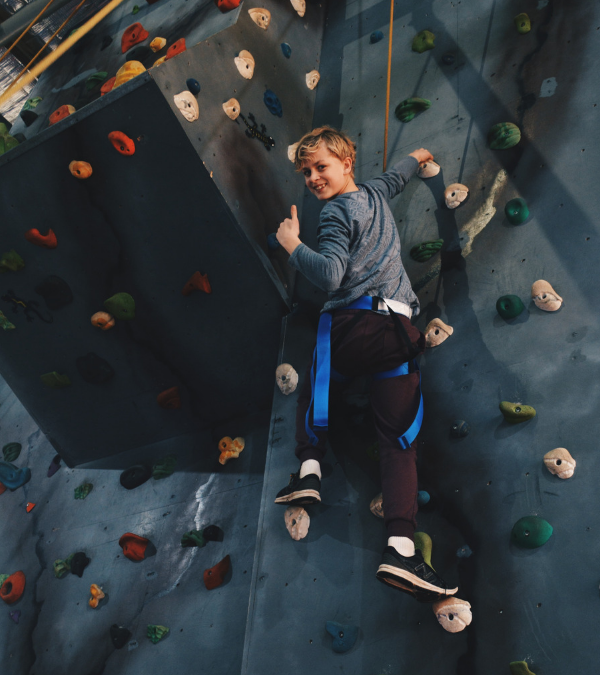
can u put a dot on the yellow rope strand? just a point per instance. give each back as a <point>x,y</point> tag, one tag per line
<point>16,42</point>
<point>389,74</point>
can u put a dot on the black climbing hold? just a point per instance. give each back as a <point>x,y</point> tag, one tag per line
<point>20,137</point>
<point>135,476</point>
<point>3,120</point>
<point>55,291</point>
<point>78,563</point>
<point>272,242</point>
<point>448,59</point>
<point>459,429</point>
<point>106,40</point>
<point>213,533</point>
<point>119,636</point>
<point>28,116</point>
<point>140,53</point>
<point>94,369</point>
<point>193,86</point>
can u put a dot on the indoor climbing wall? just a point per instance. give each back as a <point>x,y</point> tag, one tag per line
<point>532,585</point>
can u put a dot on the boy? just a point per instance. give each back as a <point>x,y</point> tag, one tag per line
<point>364,329</point>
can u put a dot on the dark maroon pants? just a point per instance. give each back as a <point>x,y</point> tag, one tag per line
<point>373,345</point>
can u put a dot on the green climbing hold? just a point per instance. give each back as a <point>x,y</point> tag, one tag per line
<point>425,545</point>
<point>423,41</point>
<point>7,142</point>
<point>422,252</point>
<point>156,633</point>
<point>121,306</point>
<point>5,323</point>
<point>32,103</point>
<point>3,578</point>
<point>509,306</point>
<point>83,490</point>
<point>516,412</point>
<point>516,211</point>
<point>503,136</point>
<point>61,568</point>
<point>94,80</point>
<point>406,110</point>
<point>11,451</point>
<point>373,452</point>
<point>523,23</point>
<point>56,380</point>
<point>531,532</point>
<point>193,538</point>
<point>135,9</point>
<point>11,261</point>
<point>520,668</point>
<point>164,467</point>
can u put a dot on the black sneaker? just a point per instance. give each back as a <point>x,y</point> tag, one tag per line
<point>300,490</point>
<point>412,575</point>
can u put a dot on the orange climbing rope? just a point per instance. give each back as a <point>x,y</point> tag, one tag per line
<point>16,42</point>
<point>387,95</point>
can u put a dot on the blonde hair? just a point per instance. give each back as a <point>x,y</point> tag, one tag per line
<point>337,142</point>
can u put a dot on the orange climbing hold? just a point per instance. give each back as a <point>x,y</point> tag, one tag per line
<point>80,169</point>
<point>175,48</point>
<point>44,240</point>
<point>121,142</point>
<point>60,114</point>
<point>97,595</point>
<point>169,399</point>
<point>107,86</point>
<point>197,282</point>
<point>133,35</point>
<point>2,488</point>
<point>30,506</point>
<point>134,546</point>
<point>215,576</point>
<point>13,588</point>
<point>230,448</point>
<point>103,320</point>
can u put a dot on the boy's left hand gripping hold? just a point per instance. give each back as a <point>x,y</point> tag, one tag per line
<point>288,234</point>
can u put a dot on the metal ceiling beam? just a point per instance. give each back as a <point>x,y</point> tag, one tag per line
<point>18,22</point>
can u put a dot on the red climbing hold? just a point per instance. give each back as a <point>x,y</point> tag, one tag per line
<point>2,488</point>
<point>43,240</point>
<point>197,282</point>
<point>12,589</point>
<point>215,576</point>
<point>60,114</point>
<point>227,5</point>
<point>121,142</point>
<point>134,546</point>
<point>107,86</point>
<point>175,48</point>
<point>132,35</point>
<point>30,506</point>
<point>169,399</point>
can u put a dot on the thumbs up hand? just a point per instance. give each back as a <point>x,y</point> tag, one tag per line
<point>288,234</point>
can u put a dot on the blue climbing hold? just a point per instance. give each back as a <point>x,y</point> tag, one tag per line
<point>286,49</point>
<point>344,636</point>
<point>464,551</point>
<point>273,103</point>
<point>193,86</point>
<point>272,242</point>
<point>376,36</point>
<point>423,497</point>
<point>12,476</point>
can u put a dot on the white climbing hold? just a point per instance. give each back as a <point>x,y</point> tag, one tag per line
<point>291,151</point>
<point>312,79</point>
<point>376,505</point>
<point>297,522</point>
<point>232,108</point>
<point>453,614</point>
<point>455,195</point>
<point>437,332</point>
<point>188,105</point>
<point>545,297</point>
<point>287,378</point>
<point>560,463</point>
<point>299,6</point>
<point>261,17</point>
<point>245,63</point>
<point>548,87</point>
<point>428,169</point>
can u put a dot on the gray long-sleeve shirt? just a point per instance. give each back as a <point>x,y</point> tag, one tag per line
<point>359,246</point>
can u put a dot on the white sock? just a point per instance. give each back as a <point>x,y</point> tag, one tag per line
<point>310,466</point>
<point>403,545</point>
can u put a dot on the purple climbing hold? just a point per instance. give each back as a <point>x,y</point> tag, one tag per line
<point>15,615</point>
<point>54,466</point>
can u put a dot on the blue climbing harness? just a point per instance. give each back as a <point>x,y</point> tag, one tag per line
<point>322,372</point>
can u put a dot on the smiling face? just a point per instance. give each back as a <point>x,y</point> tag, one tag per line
<point>326,176</point>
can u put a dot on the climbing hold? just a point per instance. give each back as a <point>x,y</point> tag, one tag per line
<point>55,380</point>
<point>344,636</point>
<point>15,615</point>
<point>437,332</point>
<point>29,507</point>
<point>28,116</point>
<point>407,110</point>
<point>272,242</point>
<point>312,79</point>
<point>169,399</point>
<point>453,614</point>
<point>545,297</point>
<point>128,71</point>
<point>297,522</point>
<point>61,568</point>
<point>8,142</point>
<point>78,562</point>
<point>193,86</point>
<point>164,467</point>
<point>134,547</point>
<point>423,41</point>
<point>55,291</point>
<point>299,6</point>
<point>157,44</point>
<point>531,532</point>
<point>245,63</point>
<point>103,320</point>
<point>94,80</point>
<point>509,306</point>
<point>135,9</point>
<point>520,668</point>
<point>97,595</point>
<point>273,103</point>
<point>261,17</point>
<point>213,533</point>
<point>13,477</point>
<point>133,35</point>
<point>423,497</point>
<point>140,53</point>
<point>376,36</point>
<point>11,451</point>
<point>376,506</point>
<point>32,103</point>
<point>80,169</point>
<point>94,369</point>
<point>60,114</point>
<point>523,23</point>
<point>516,211</point>
<point>119,636</point>
<point>13,588</point>
<point>215,576</point>
<point>48,240</point>
<point>230,448</point>
<point>193,538</point>
<point>5,323</point>
<point>160,61</point>
<point>3,578</point>
<point>455,195</point>
<point>560,463</point>
<point>503,136</point>
<point>291,151</point>
<point>464,551</point>
<point>459,429</point>
<point>135,476</point>
<point>516,412</point>
<point>232,108</point>
<point>121,143</point>
<point>424,544</point>
<point>423,252</point>
<point>83,490</point>
<point>188,106</point>
<point>121,306</point>
<point>11,262</point>
<point>176,48</point>
<point>106,41</point>
<point>156,633</point>
<point>428,169</point>
<point>286,378</point>
<point>2,491</point>
<point>286,50</point>
<point>54,466</point>
<point>448,59</point>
